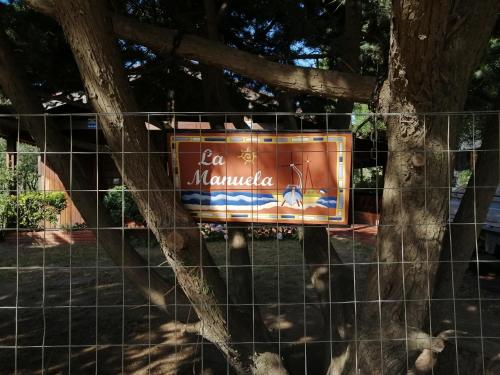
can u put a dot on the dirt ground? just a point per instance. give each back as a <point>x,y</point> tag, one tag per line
<point>76,314</point>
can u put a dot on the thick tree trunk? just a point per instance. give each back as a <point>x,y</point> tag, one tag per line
<point>16,87</point>
<point>285,104</point>
<point>89,33</point>
<point>240,281</point>
<point>434,48</point>
<point>333,283</point>
<point>215,91</point>
<point>350,54</point>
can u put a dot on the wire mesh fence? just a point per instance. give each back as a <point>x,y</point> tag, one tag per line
<point>191,242</point>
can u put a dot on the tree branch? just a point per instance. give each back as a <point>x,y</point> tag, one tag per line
<point>312,81</point>
<point>306,80</point>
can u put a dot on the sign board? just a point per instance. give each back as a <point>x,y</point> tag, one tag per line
<point>259,177</point>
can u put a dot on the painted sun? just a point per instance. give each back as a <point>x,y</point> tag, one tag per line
<point>248,156</point>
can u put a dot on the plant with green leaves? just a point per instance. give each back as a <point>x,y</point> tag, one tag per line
<point>27,167</point>
<point>121,205</point>
<point>31,209</point>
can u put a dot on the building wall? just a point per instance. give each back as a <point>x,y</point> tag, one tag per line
<point>49,181</point>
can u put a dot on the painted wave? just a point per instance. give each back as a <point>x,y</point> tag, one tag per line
<point>330,202</point>
<point>222,198</point>
<point>223,208</point>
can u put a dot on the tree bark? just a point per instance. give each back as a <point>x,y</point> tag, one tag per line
<point>286,104</point>
<point>434,48</point>
<point>215,90</point>
<point>333,283</point>
<point>350,55</point>
<point>240,284</point>
<point>15,86</point>
<point>88,29</point>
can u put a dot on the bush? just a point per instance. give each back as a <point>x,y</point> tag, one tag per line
<point>5,210</point>
<point>31,209</point>
<point>118,200</point>
<point>463,177</point>
<point>27,167</point>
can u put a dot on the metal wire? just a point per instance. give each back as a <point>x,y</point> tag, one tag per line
<point>282,291</point>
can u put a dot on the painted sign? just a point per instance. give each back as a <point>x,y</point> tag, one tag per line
<point>294,178</point>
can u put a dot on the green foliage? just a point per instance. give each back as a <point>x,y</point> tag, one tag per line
<point>34,207</point>
<point>6,174</point>
<point>25,175</point>
<point>74,227</point>
<point>5,209</point>
<point>118,201</point>
<point>463,177</point>
<point>367,177</point>
<point>484,92</point>
<point>366,126</point>
<point>7,179</point>
<point>27,167</point>
<point>30,209</point>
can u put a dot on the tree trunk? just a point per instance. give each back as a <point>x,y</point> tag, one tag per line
<point>434,48</point>
<point>333,283</point>
<point>16,87</point>
<point>285,104</point>
<point>350,54</point>
<point>215,91</point>
<point>87,27</point>
<point>240,281</point>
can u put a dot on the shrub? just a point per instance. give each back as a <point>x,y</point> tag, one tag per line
<point>35,207</point>
<point>27,167</point>
<point>463,177</point>
<point>119,199</point>
<point>30,209</point>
